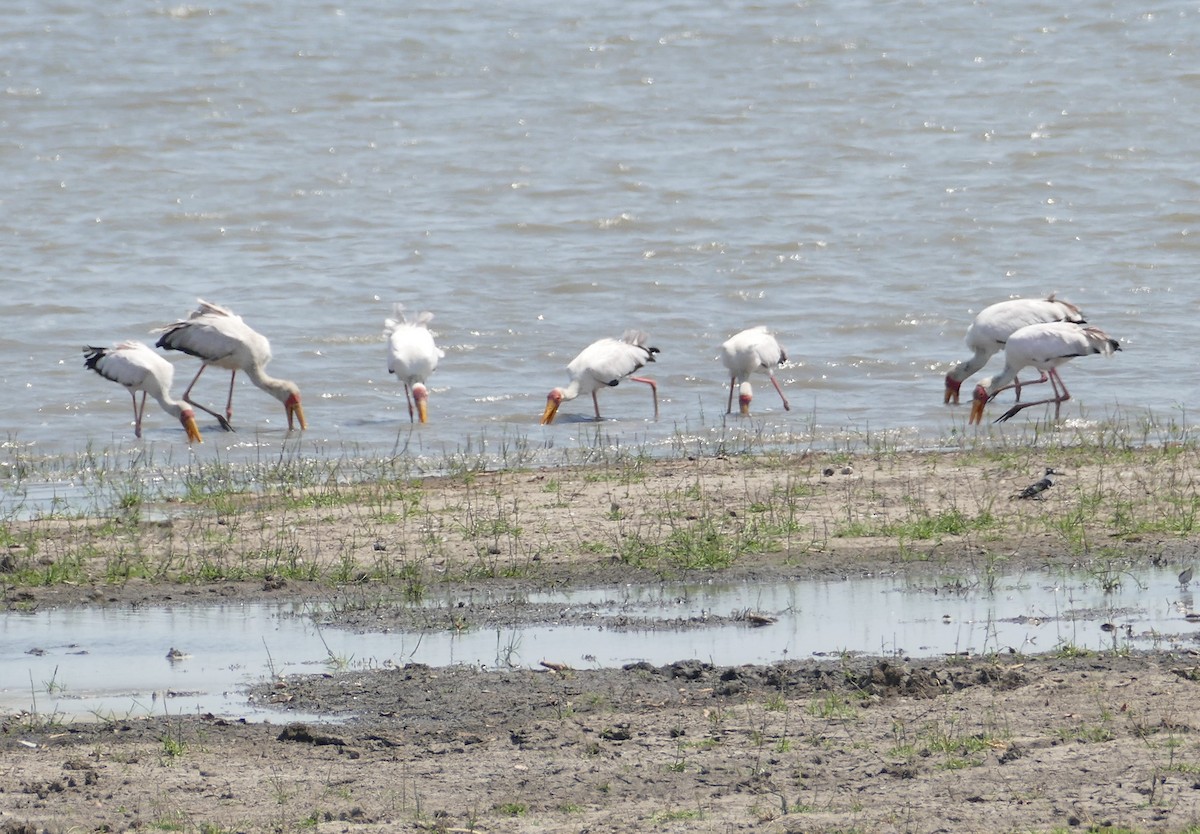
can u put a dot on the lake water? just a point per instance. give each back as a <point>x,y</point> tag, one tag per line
<point>860,176</point>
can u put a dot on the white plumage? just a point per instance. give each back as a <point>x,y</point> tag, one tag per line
<point>138,368</point>
<point>754,349</point>
<point>1044,346</point>
<point>217,336</point>
<point>412,356</point>
<point>992,327</point>
<point>604,363</point>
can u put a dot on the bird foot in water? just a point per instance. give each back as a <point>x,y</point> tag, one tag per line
<point>1014,410</point>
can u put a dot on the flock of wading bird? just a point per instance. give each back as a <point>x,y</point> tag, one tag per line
<point>1038,333</point>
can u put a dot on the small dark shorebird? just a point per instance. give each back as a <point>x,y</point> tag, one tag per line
<point>1035,490</point>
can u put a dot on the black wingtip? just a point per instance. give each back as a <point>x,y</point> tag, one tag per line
<point>92,355</point>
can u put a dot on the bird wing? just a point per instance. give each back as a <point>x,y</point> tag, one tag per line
<point>755,348</point>
<point>207,308</point>
<point>638,339</point>
<point>131,364</point>
<point>1050,344</point>
<point>217,336</point>
<point>642,352</point>
<point>996,323</point>
<point>768,351</point>
<point>199,337</point>
<point>607,361</point>
<point>1099,341</point>
<point>1069,312</point>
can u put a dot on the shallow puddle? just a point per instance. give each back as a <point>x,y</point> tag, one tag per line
<point>112,663</point>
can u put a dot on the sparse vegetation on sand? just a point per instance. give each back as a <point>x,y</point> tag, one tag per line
<point>1073,740</point>
<point>320,525</point>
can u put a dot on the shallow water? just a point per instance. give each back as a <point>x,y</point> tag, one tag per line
<point>862,177</point>
<point>99,662</point>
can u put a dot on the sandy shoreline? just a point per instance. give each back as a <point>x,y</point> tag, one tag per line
<point>1006,742</point>
<point>631,520</point>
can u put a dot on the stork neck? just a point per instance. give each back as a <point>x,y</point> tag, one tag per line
<point>1002,381</point>
<point>969,367</point>
<point>571,391</point>
<point>169,404</point>
<point>280,389</point>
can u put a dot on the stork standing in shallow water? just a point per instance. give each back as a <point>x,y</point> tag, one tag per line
<point>604,363</point>
<point>217,336</point>
<point>1045,347</point>
<point>993,325</point>
<point>138,368</point>
<point>754,349</point>
<point>412,356</point>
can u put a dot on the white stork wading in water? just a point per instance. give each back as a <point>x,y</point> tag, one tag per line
<point>219,337</point>
<point>412,356</point>
<point>1045,347</point>
<point>139,368</point>
<point>993,325</point>
<point>755,349</point>
<point>604,363</point>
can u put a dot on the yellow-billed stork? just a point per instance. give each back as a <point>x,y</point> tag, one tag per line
<point>754,349</point>
<point>412,356</point>
<point>1044,346</point>
<point>217,336</point>
<point>991,328</point>
<point>604,363</point>
<point>138,368</point>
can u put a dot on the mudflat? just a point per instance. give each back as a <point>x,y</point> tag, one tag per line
<point>1070,739</point>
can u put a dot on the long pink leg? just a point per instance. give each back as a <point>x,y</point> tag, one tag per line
<point>775,382</point>
<point>1018,383</point>
<point>229,402</point>
<point>596,405</point>
<point>1054,377</point>
<point>137,415</point>
<point>187,398</point>
<point>1058,399</point>
<point>653,389</point>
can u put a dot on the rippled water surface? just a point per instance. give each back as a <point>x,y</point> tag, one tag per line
<point>860,176</point>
